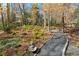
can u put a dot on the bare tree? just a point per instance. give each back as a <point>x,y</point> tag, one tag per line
<point>8,14</point>
<point>1,14</point>
<point>23,13</point>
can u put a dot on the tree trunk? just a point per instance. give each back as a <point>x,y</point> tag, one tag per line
<point>49,21</point>
<point>8,14</point>
<point>63,21</point>
<point>44,21</point>
<point>1,14</point>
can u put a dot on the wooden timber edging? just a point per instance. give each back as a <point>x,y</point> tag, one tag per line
<point>65,47</point>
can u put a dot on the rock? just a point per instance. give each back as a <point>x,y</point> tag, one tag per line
<point>32,48</point>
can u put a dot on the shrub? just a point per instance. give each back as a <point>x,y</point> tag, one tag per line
<point>1,26</point>
<point>38,32</point>
<point>9,27</point>
<point>27,27</point>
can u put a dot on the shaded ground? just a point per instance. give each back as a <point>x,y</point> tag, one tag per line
<point>54,46</point>
<point>72,50</point>
<point>24,37</point>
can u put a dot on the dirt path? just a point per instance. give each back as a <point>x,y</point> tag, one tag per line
<point>54,47</point>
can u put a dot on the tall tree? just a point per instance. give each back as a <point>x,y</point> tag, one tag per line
<point>23,12</point>
<point>44,14</point>
<point>1,14</point>
<point>13,12</point>
<point>35,13</point>
<point>8,14</point>
<point>58,12</point>
<point>47,10</point>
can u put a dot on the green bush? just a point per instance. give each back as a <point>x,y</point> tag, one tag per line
<point>9,27</point>
<point>38,32</point>
<point>27,27</point>
<point>1,26</point>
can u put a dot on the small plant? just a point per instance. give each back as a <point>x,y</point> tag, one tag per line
<point>8,43</point>
<point>27,27</point>
<point>38,32</point>
<point>1,26</point>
